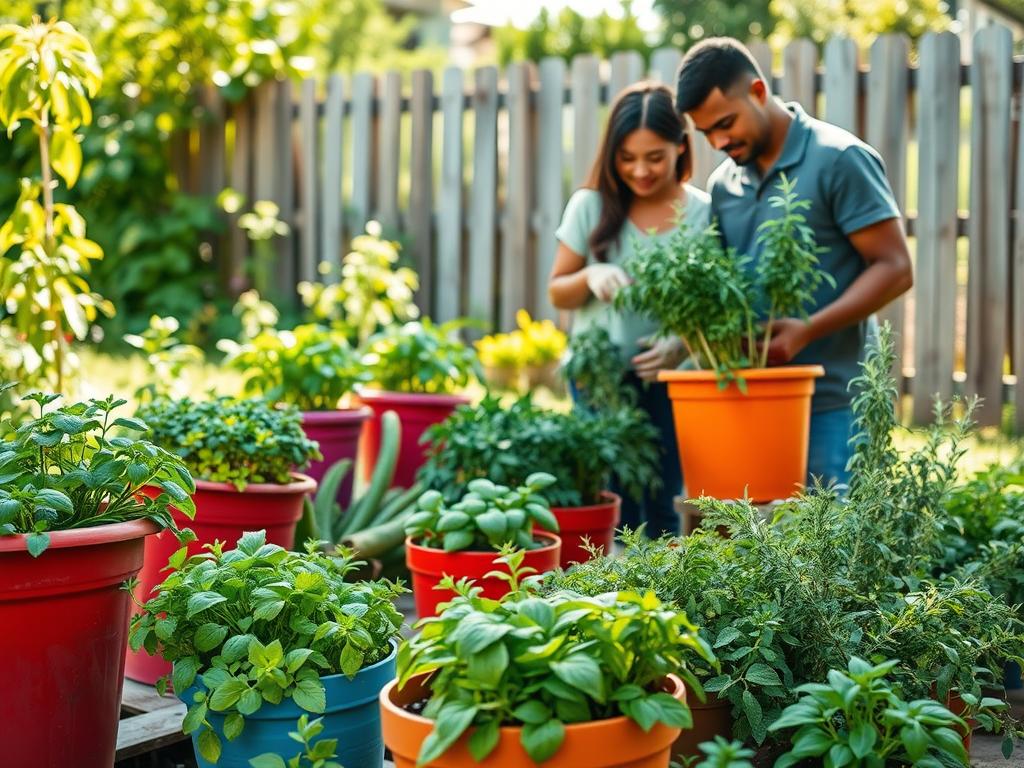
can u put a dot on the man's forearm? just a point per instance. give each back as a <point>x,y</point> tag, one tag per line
<point>876,286</point>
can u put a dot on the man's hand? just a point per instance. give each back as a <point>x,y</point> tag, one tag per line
<point>605,280</point>
<point>789,336</point>
<point>661,354</point>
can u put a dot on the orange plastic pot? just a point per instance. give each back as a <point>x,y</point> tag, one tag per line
<point>710,718</point>
<point>223,513</point>
<point>65,623</point>
<point>595,523</point>
<point>733,444</point>
<point>416,413</point>
<point>428,566</point>
<point>617,742</point>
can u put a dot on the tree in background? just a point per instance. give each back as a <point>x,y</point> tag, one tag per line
<point>860,20</point>
<point>690,21</point>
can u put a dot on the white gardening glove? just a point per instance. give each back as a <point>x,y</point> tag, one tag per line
<point>605,280</point>
<point>664,353</point>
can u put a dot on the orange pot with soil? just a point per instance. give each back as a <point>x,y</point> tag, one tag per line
<point>733,443</point>
<point>617,742</point>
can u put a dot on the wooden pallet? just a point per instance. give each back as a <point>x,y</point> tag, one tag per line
<point>149,721</point>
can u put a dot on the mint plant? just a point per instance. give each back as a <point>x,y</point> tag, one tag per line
<point>75,466</point>
<point>724,754</point>
<point>857,719</point>
<point>313,755</point>
<point>596,368</point>
<point>225,440</point>
<point>542,663</point>
<point>421,357</point>
<point>257,625</point>
<point>487,517</point>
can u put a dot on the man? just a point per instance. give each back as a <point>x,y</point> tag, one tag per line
<point>853,214</point>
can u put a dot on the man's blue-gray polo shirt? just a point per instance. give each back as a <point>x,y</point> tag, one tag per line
<point>845,181</point>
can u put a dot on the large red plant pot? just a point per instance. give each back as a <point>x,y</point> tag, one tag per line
<point>594,523</point>
<point>223,513</point>
<point>338,434</point>
<point>416,413</point>
<point>63,628</point>
<point>428,566</point>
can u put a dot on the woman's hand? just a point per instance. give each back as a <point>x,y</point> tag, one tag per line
<point>662,354</point>
<point>605,280</point>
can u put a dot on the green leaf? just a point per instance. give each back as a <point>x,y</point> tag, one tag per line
<point>533,712</point>
<point>194,718</point>
<point>236,647</point>
<point>66,154</point>
<point>583,673</point>
<point>726,636</point>
<point>752,710</point>
<point>351,660</point>
<point>457,540</point>
<point>209,745</point>
<point>183,673</point>
<point>452,721</point>
<point>542,741</point>
<point>484,739</point>
<point>488,666</point>
<point>309,695</point>
<point>492,524</point>
<point>762,674</point>
<point>249,702</point>
<point>200,601</point>
<point>233,725</point>
<point>294,659</point>
<point>227,694</point>
<point>37,542</point>
<point>267,760</point>
<point>862,739</point>
<point>209,636</point>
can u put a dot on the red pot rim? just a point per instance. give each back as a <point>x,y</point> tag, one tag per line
<point>384,397</point>
<point>85,537</point>
<point>556,542</point>
<point>337,416</point>
<point>303,484</point>
<point>610,500</point>
<point>777,373</point>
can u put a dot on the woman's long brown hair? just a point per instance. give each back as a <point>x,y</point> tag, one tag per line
<point>643,105</point>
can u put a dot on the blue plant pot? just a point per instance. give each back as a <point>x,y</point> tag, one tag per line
<point>352,717</point>
<point>1011,676</point>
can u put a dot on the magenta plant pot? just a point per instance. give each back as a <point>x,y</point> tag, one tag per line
<point>338,434</point>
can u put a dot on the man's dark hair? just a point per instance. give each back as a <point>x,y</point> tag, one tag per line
<point>718,62</point>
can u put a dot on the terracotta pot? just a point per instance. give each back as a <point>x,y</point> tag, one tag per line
<point>595,523</point>
<point>338,434</point>
<point>545,375</point>
<point>222,513</point>
<point>617,742</point>
<point>711,718</point>
<point>428,566</point>
<point>733,444</point>
<point>65,625</point>
<point>503,377</point>
<point>416,412</point>
<point>958,707</point>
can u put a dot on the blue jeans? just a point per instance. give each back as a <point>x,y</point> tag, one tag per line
<point>829,447</point>
<point>657,508</point>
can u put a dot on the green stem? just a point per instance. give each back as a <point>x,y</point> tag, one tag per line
<point>50,243</point>
<point>767,336</point>
<point>712,361</point>
<point>689,351</point>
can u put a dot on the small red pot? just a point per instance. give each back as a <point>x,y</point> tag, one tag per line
<point>223,513</point>
<point>65,624</point>
<point>595,523</point>
<point>428,566</point>
<point>338,433</point>
<point>416,412</point>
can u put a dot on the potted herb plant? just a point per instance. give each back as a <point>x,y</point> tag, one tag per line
<point>257,635</point>
<point>417,370</point>
<point>742,427</point>
<point>243,454</point>
<point>73,518</point>
<point>561,680</point>
<point>461,539</point>
<point>579,448</point>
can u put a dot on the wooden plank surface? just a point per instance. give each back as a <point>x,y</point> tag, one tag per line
<point>362,151</point>
<point>240,180</point>
<point>585,125</point>
<point>841,71</point>
<point>886,122</point>
<point>331,225</point>
<point>284,190</point>
<point>800,60</point>
<point>448,287</point>
<point>389,151</point>
<point>991,79</point>
<point>1017,350</point>
<point>665,66</point>
<point>147,732</point>
<point>483,200</point>
<point>627,67</point>
<point>938,126</point>
<point>421,186</point>
<point>137,698</point>
<point>550,191</point>
<point>309,170</point>
<point>518,269</point>
<point>762,54</point>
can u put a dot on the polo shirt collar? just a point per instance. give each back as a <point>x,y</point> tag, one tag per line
<point>793,148</point>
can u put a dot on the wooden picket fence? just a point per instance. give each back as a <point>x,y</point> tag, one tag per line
<point>472,173</point>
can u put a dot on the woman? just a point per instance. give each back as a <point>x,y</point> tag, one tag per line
<point>636,191</point>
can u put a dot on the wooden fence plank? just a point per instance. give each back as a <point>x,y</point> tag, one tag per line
<point>268,183</point>
<point>938,129</point>
<point>586,127</point>
<point>665,66</point>
<point>332,230</point>
<point>800,60</point>
<point>886,122</point>
<point>627,67</point>
<point>309,175</point>
<point>841,71</point>
<point>483,200</point>
<point>518,268</point>
<point>240,181</point>
<point>421,185</point>
<point>550,192</point>
<point>362,151</point>
<point>1017,351</point>
<point>991,80</point>
<point>212,149</point>
<point>284,190</point>
<point>449,284</point>
<point>762,54</point>
<point>388,151</point>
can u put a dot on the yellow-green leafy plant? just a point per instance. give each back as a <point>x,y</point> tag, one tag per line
<point>48,73</point>
<point>262,225</point>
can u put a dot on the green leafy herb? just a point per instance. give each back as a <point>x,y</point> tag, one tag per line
<point>314,754</point>
<point>421,357</point>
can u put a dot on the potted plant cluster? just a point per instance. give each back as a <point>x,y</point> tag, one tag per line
<point>561,680</point>
<point>243,454</point>
<point>258,635</point>
<point>73,519</point>
<point>742,427</point>
<point>417,370</point>
<point>579,448</point>
<point>526,357</point>
<point>461,539</point>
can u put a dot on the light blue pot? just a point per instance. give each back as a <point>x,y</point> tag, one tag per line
<point>352,717</point>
